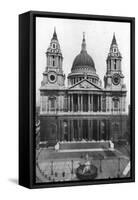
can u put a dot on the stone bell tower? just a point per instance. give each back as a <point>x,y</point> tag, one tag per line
<point>114,78</point>
<point>53,76</point>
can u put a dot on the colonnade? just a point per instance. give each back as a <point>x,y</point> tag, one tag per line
<point>84,103</point>
<point>83,129</point>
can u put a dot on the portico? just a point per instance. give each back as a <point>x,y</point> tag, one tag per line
<point>84,102</point>
<point>84,129</point>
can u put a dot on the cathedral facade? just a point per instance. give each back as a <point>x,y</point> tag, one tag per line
<point>84,110</point>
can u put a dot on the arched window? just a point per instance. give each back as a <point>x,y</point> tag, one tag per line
<point>114,50</point>
<point>115,64</point>
<point>53,61</point>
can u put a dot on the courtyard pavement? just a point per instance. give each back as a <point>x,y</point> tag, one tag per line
<point>53,166</point>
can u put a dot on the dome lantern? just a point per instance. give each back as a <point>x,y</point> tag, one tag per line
<point>83,45</point>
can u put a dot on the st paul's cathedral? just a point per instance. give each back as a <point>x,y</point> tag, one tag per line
<point>84,110</point>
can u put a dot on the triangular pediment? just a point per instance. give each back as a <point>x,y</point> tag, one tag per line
<point>85,85</point>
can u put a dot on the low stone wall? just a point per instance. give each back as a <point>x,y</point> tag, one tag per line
<point>84,145</point>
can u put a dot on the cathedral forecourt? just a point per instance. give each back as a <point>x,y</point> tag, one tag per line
<point>84,111</point>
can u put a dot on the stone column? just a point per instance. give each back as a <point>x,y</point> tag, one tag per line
<point>45,103</point>
<point>101,103</point>
<point>107,130</point>
<point>61,104</point>
<point>72,130</point>
<point>91,130</point>
<point>68,102</point>
<point>79,128</point>
<point>82,102</point>
<point>69,130</point>
<point>63,99</point>
<point>92,102</point>
<point>78,131</point>
<point>82,128</point>
<point>72,102</point>
<point>89,103</point>
<point>78,103</point>
<point>61,131</point>
<point>97,129</point>
<point>98,102</point>
<point>58,132</point>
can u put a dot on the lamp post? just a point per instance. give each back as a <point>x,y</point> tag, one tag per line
<point>71,166</point>
<point>119,159</point>
<point>100,165</point>
<point>100,157</point>
<point>51,167</point>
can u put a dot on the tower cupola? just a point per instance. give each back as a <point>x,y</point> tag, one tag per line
<point>114,77</point>
<point>53,74</point>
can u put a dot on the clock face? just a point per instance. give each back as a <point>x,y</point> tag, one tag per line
<point>52,77</point>
<point>116,79</point>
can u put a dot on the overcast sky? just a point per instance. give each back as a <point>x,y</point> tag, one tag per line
<point>98,39</point>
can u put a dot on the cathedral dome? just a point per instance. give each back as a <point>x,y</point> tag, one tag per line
<point>83,67</point>
<point>83,62</point>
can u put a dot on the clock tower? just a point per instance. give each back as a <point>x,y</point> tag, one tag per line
<point>53,76</point>
<point>113,79</point>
